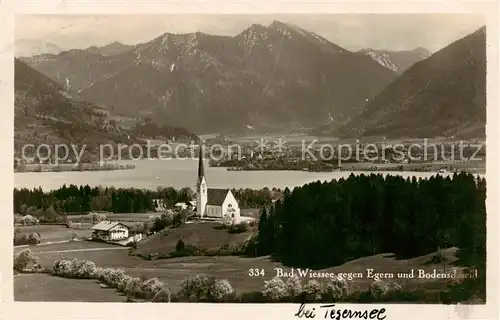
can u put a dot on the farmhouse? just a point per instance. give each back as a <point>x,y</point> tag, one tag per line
<point>110,231</point>
<point>214,203</point>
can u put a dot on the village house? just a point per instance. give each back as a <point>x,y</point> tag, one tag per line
<point>180,206</point>
<point>110,231</point>
<point>214,203</point>
<point>191,206</point>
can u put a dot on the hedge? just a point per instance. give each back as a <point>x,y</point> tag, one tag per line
<point>151,289</point>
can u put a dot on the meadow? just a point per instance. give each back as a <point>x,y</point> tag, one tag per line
<point>55,233</point>
<point>41,287</point>
<point>44,287</point>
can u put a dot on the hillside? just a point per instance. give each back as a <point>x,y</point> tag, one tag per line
<point>46,113</point>
<point>444,95</point>
<point>397,61</point>
<point>200,235</point>
<point>277,76</point>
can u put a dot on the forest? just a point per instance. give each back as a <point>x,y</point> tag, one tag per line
<point>74,199</point>
<point>330,223</point>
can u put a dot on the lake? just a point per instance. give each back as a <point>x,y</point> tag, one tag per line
<point>149,174</point>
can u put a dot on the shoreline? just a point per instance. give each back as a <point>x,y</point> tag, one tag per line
<point>448,168</point>
<point>44,168</point>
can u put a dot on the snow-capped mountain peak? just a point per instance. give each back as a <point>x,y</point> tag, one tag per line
<point>397,61</point>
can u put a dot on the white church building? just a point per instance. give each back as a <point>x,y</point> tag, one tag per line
<point>214,203</point>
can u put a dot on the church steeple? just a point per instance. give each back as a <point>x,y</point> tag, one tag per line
<point>201,169</point>
<point>201,187</point>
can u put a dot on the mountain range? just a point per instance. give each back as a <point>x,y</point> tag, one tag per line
<point>272,76</point>
<point>443,95</point>
<point>112,49</point>
<point>280,77</point>
<point>32,47</point>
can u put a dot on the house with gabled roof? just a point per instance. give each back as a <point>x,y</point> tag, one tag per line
<point>110,231</point>
<point>214,203</point>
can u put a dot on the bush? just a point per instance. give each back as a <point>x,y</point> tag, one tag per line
<point>201,288</point>
<point>75,269</point>
<point>378,288</point>
<point>294,286</point>
<point>24,239</point>
<point>312,290</point>
<point>62,268</point>
<point>34,238</point>
<point>29,220</point>
<point>239,228</point>
<point>194,288</point>
<point>180,245</point>
<point>275,289</point>
<point>114,277</point>
<point>154,289</point>
<point>85,269</point>
<point>24,258</point>
<point>336,289</point>
<point>133,287</point>
<point>220,289</point>
<point>123,283</point>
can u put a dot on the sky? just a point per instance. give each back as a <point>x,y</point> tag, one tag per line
<point>351,31</point>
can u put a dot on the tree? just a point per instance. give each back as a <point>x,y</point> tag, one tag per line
<point>263,221</point>
<point>186,194</point>
<point>96,217</point>
<point>180,245</point>
<point>161,222</point>
<point>50,215</point>
<point>179,219</point>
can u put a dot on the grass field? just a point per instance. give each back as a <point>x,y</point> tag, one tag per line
<point>53,233</point>
<point>43,287</point>
<point>235,269</point>
<point>200,235</point>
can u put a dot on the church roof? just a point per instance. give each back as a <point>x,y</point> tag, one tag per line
<point>215,197</point>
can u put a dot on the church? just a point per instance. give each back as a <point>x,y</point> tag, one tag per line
<point>214,203</point>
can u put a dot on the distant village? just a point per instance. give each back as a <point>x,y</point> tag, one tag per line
<point>313,158</point>
<point>247,156</point>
